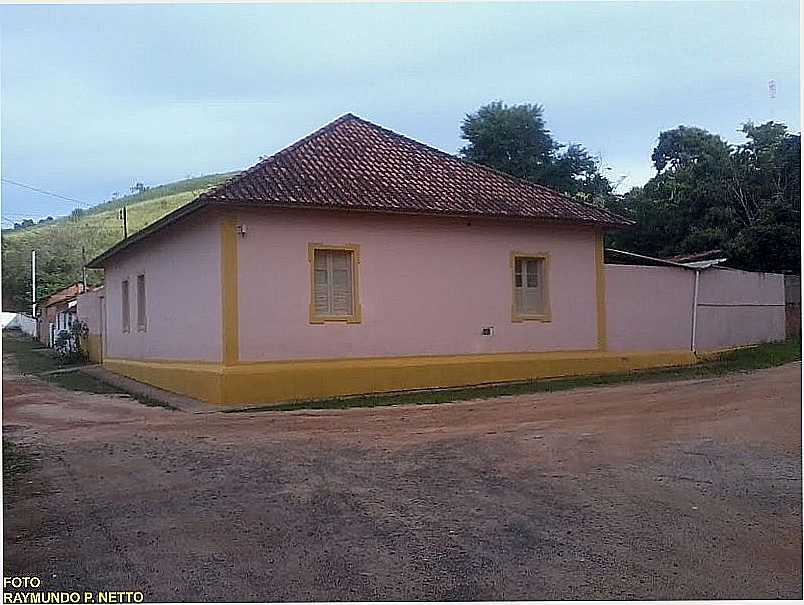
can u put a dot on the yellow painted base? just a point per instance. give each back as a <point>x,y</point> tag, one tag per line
<point>93,347</point>
<point>269,382</point>
<point>197,380</point>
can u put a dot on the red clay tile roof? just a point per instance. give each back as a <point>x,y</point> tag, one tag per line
<point>352,164</point>
<point>65,294</point>
<point>356,165</point>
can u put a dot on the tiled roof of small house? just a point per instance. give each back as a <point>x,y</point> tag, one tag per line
<point>353,164</point>
<point>65,294</point>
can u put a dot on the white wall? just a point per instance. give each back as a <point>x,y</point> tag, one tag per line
<point>739,308</point>
<point>18,321</point>
<point>650,308</point>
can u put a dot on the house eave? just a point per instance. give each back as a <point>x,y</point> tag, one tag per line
<point>246,203</point>
<point>99,261</point>
<point>205,201</point>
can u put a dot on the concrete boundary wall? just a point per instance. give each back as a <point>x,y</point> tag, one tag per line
<point>737,308</point>
<point>651,308</point>
<point>19,321</point>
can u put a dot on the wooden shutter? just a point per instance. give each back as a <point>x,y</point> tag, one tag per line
<point>341,290</point>
<point>321,283</point>
<point>333,283</point>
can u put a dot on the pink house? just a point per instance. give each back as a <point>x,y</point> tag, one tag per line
<point>357,260</point>
<point>56,312</point>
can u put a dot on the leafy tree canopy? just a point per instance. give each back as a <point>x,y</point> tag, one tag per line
<point>515,139</point>
<point>707,194</point>
<point>743,199</point>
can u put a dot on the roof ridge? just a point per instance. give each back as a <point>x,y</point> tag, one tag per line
<point>477,165</point>
<point>252,169</point>
<point>396,174</point>
<point>350,117</point>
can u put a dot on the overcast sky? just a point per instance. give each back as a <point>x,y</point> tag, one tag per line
<point>96,97</point>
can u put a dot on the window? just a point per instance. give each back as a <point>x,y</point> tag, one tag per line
<point>141,323</point>
<point>126,307</point>
<point>334,284</point>
<point>530,287</point>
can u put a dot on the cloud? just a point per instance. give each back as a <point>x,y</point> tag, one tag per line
<point>94,97</point>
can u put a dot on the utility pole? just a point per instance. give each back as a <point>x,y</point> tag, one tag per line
<point>84,266</point>
<point>771,95</point>
<point>123,216</point>
<point>33,287</point>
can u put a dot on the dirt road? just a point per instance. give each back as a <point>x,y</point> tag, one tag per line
<point>683,490</point>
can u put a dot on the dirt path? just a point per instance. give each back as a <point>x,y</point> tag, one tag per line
<point>666,490</point>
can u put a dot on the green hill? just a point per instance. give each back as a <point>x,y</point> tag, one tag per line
<point>59,243</point>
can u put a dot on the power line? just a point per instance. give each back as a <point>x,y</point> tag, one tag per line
<point>15,216</point>
<point>50,193</point>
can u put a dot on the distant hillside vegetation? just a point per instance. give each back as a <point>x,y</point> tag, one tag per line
<point>58,243</point>
<point>193,185</point>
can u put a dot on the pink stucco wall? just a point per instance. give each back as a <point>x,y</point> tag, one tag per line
<point>427,286</point>
<point>88,309</point>
<point>650,308</point>
<point>181,264</point>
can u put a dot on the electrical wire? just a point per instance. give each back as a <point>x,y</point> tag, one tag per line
<point>50,193</point>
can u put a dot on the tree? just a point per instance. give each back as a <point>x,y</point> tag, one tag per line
<point>685,147</point>
<point>577,173</point>
<point>138,188</point>
<point>707,194</point>
<point>766,188</point>
<point>28,222</point>
<point>515,139</point>
<point>510,139</point>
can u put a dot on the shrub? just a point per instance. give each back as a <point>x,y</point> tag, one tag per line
<point>70,343</point>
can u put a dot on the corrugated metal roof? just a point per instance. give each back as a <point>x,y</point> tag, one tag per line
<point>700,265</point>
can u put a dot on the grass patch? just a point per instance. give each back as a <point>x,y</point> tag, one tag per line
<point>760,356</point>
<point>31,359</point>
<point>78,381</point>
<point>30,356</point>
<point>97,229</point>
<point>753,358</point>
<point>16,462</point>
<point>153,403</point>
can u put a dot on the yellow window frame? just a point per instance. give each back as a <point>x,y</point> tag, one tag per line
<point>516,315</point>
<point>356,316</point>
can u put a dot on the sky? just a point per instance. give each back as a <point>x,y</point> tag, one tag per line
<point>94,98</point>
